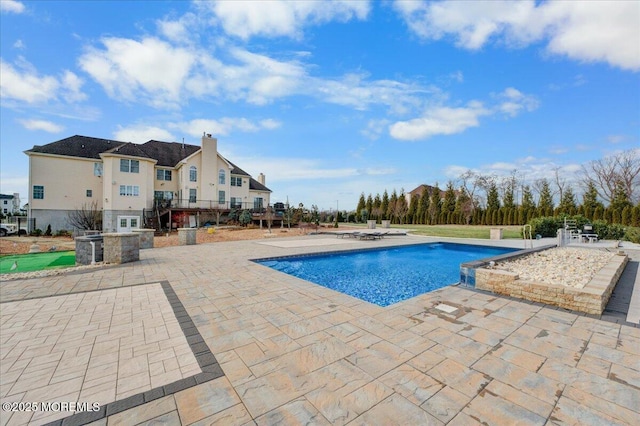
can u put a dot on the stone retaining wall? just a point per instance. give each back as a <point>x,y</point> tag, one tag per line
<point>187,236</point>
<point>591,299</point>
<point>121,247</point>
<point>146,237</point>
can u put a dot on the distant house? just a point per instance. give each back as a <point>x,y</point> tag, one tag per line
<point>10,204</point>
<point>155,184</point>
<point>419,190</point>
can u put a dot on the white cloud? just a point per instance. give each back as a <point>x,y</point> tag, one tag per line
<point>512,102</point>
<point>439,121</point>
<point>444,120</point>
<point>128,68</point>
<point>11,6</point>
<point>22,83</point>
<point>277,18</point>
<point>593,31</point>
<point>19,44</point>
<point>142,134</point>
<point>375,128</point>
<point>43,125</point>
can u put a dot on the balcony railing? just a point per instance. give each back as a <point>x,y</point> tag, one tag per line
<point>187,203</point>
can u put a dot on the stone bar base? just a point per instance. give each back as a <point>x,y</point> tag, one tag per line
<point>591,299</point>
<point>121,247</point>
<point>146,237</point>
<point>187,236</point>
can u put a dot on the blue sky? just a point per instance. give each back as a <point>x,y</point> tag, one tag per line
<point>328,99</point>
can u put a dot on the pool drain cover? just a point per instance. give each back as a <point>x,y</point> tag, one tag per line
<point>446,308</point>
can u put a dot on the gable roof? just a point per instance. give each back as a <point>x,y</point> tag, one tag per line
<point>237,170</point>
<point>257,186</point>
<point>77,146</point>
<point>168,154</point>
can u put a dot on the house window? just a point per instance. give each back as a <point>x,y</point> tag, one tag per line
<point>123,223</point>
<point>192,195</point>
<point>236,202</point>
<point>97,169</point>
<point>236,181</point>
<point>89,193</point>
<point>257,203</point>
<point>5,202</point>
<point>221,197</point>
<point>163,174</point>
<point>6,211</point>
<point>221,177</point>
<point>163,195</point>
<point>38,192</point>
<point>134,222</point>
<point>129,166</point>
<point>193,174</point>
<point>129,190</point>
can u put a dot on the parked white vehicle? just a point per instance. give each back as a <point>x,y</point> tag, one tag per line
<point>11,229</point>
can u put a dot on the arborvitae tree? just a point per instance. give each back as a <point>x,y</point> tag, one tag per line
<point>545,204</point>
<point>435,205</point>
<point>508,200</point>
<point>493,198</point>
<point>423,207</point>
<point>392,205</point>
<point>527,198</point>
<point>361,205</point>
<point>412,215</point>
<point>626,216</point>
<point>635,216</point>
<point>620,198</point>
<point>377,202</point>
<point>384,206</point>
<point>608,215</point>
<point>449,201</point>
<point>401,208</point>
<point>463,209</point>
<point>567,202</point>
<point>369,204</point>
<point>590,201</point>
<point>598,213</point>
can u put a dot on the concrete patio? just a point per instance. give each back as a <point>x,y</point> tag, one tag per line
<point>202,335</point>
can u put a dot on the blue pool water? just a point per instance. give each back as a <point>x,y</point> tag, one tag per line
<point>386,276</point>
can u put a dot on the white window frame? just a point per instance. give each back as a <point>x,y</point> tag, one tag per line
<point>129,190</point>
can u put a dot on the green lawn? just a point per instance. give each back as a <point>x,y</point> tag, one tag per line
<point>460,231</point>
<point>37,261</point>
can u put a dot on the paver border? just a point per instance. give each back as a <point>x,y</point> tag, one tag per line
<point>210,367</point>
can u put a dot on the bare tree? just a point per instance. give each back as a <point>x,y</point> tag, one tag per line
<point>605,174</point>
<point>269,215</point>
<point>560,182</point>
<point>87,217</point>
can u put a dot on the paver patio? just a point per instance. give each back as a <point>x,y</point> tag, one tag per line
<point>294,352</point>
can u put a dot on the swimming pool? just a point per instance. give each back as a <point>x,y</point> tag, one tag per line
<point>388,275</point>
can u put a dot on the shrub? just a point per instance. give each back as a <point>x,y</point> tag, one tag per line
<point>47,233</point>
<point>545,226</point>
<point>63,233</point>
<point>632,233</point>
<point>608,231</point>
<point>36,232</point>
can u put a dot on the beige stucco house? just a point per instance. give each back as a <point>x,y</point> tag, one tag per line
<point>155,184</point>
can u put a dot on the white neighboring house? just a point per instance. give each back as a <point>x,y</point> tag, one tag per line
<point>158,183</point>
<point>10,204</point>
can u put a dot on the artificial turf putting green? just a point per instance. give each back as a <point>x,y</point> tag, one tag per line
<point>37,261</point>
